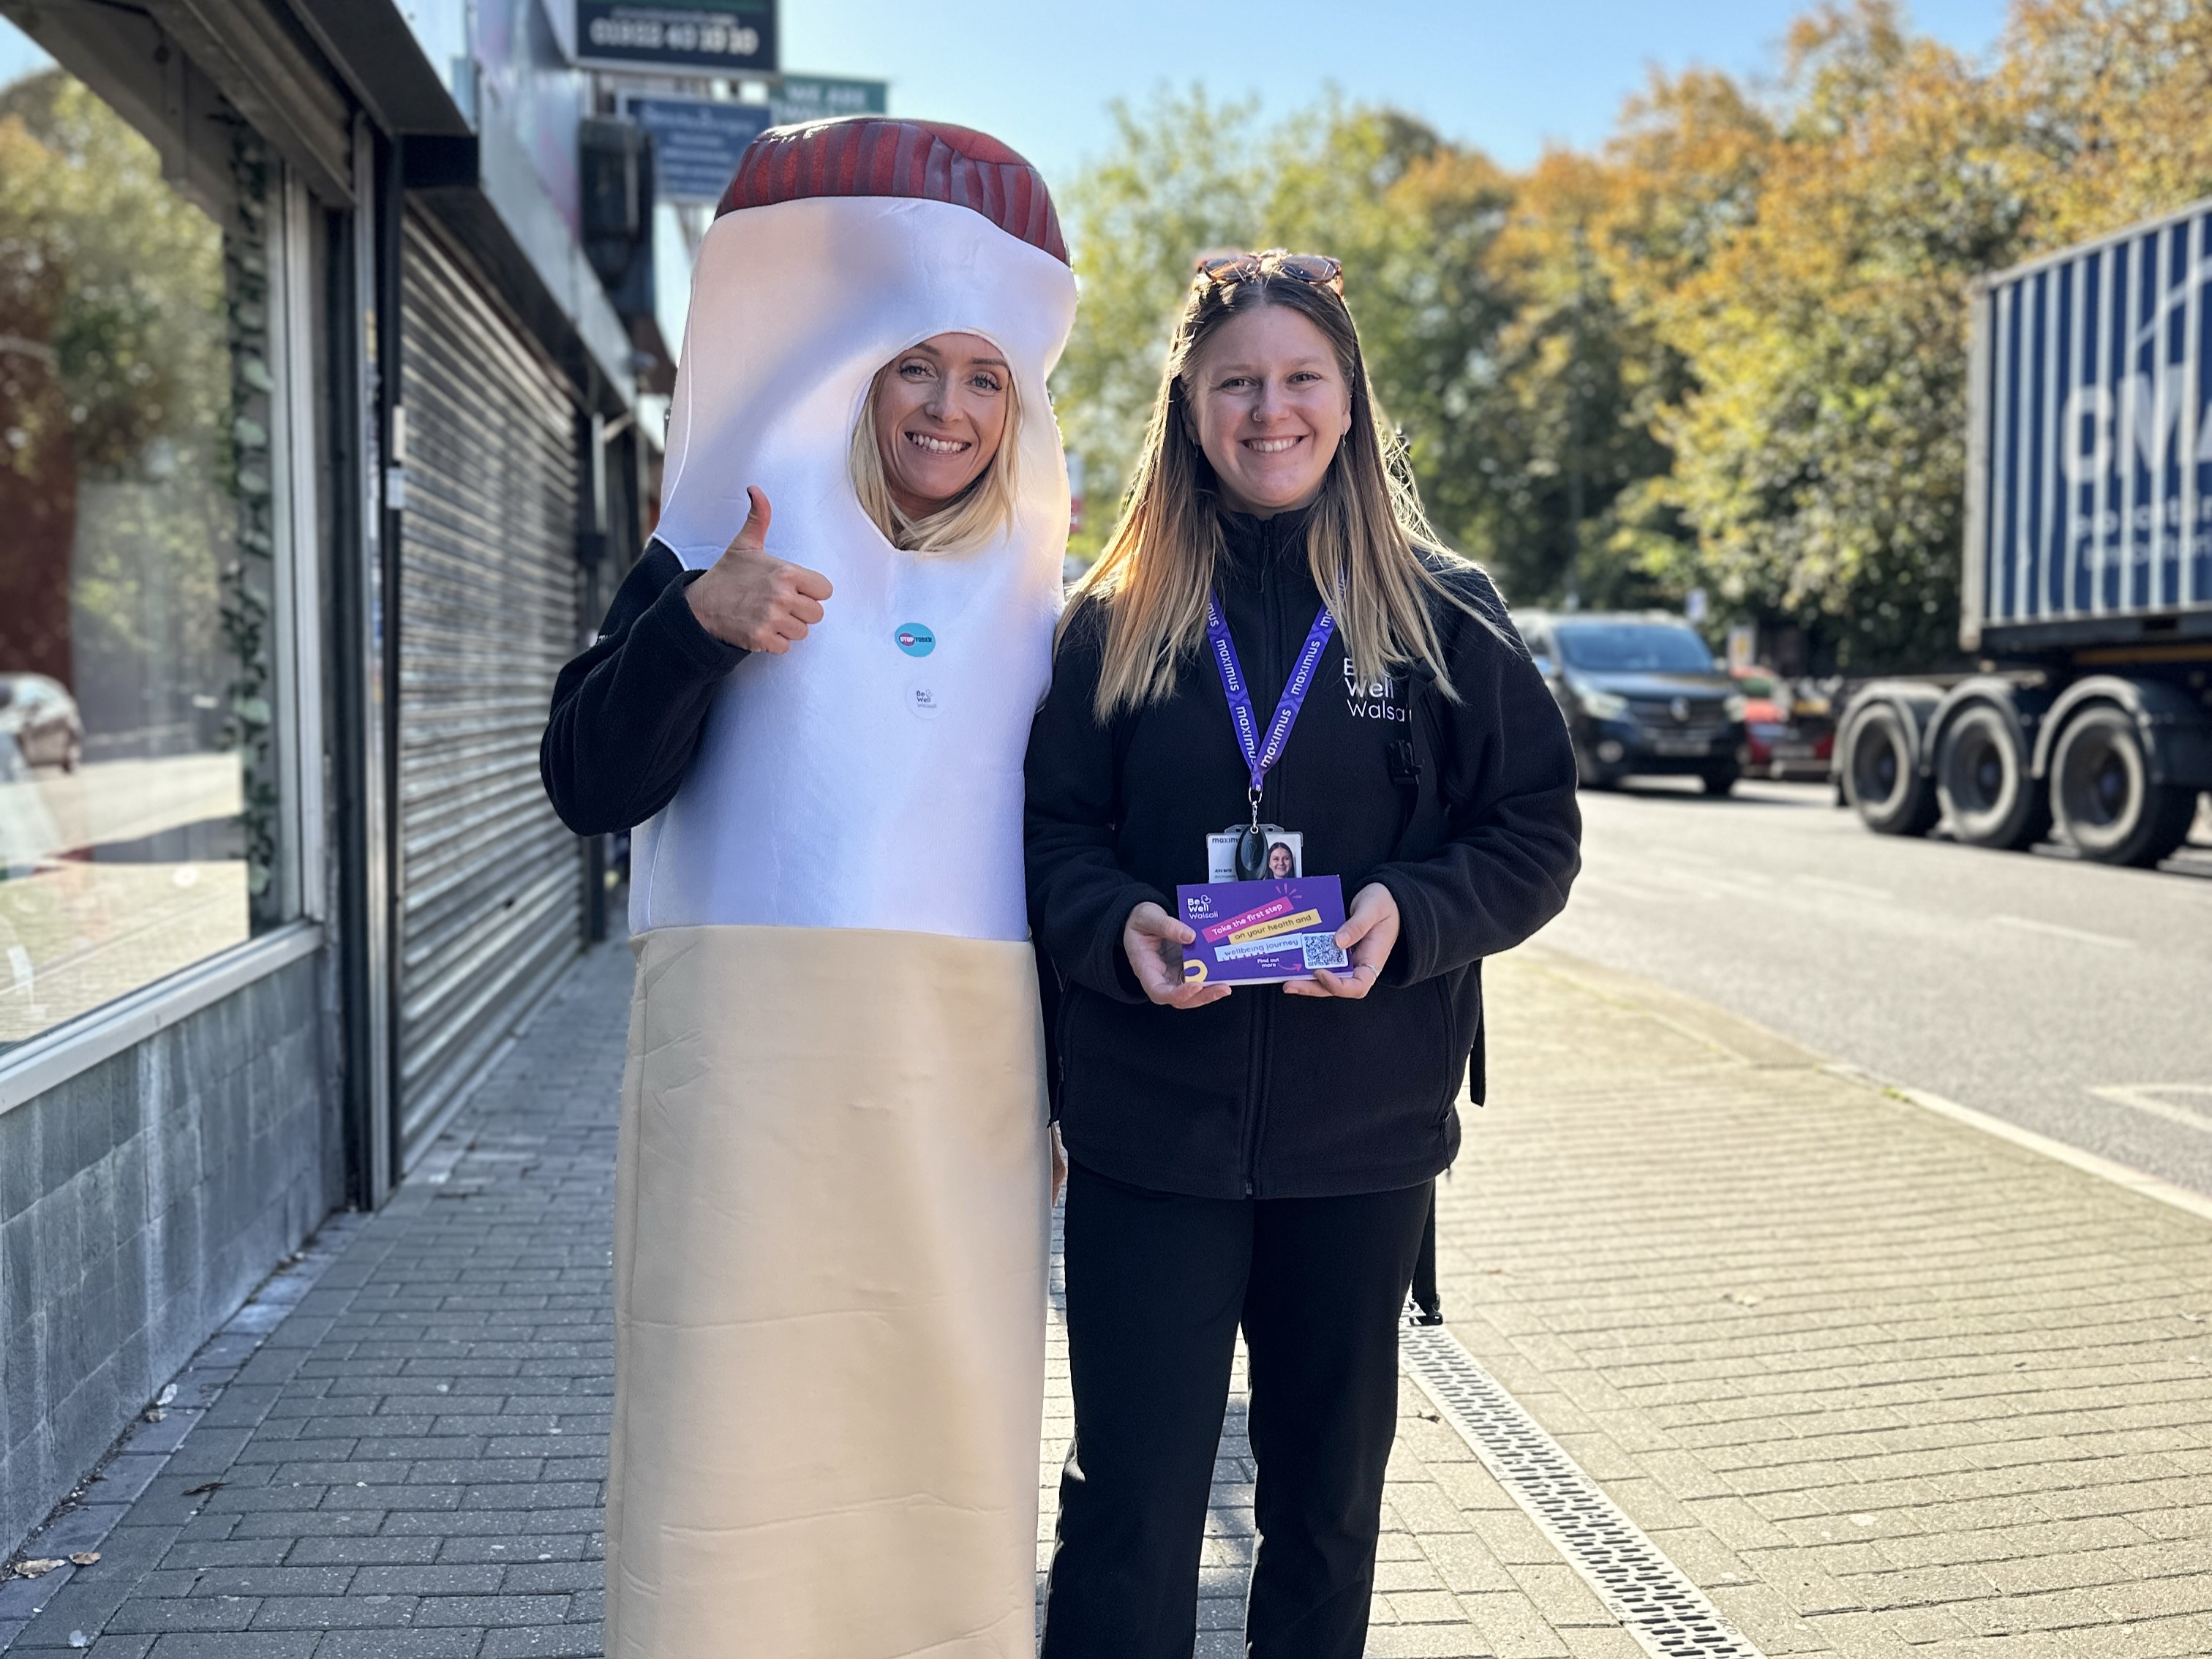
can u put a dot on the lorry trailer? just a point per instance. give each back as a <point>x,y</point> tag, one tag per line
<point>2087,590</point>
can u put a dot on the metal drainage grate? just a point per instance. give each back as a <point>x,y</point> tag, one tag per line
<point>1639,1586</point>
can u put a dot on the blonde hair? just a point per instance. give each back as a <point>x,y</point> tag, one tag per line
<point>1367,543</point>
<point>971,519</point>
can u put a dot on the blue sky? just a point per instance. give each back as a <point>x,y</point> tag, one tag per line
<point>18,57</point>
<point>1505,75</point>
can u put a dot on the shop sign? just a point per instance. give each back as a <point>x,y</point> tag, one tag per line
<point>798,98</point>
<point>696,141</point>
<point>710,37</point>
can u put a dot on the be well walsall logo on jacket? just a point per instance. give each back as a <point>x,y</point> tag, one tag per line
<point>1371,700</point>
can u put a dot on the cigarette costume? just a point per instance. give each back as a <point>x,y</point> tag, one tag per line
<point>832,1207</point>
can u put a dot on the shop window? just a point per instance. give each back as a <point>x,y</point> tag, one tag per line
<point>141,812</point>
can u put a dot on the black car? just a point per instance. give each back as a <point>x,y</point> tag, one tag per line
<point>1641,694</point>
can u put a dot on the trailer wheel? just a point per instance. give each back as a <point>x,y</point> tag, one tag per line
<point>1885,787</point>
<point>2102,795</point>
<point>1983,785</point>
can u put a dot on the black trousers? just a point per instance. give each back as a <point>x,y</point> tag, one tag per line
<point>1157,1286</point>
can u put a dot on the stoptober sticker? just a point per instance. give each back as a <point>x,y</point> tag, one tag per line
<point>914,639</point>
<point>1261,933</point>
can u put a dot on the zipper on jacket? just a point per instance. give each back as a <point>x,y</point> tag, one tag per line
<point>1263,1023</point>
<point>1255,1087</point>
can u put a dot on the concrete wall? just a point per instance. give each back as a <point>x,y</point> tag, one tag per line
<point>140,1203</point>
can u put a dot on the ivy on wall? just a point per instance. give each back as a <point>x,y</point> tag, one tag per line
<point>249,580</point>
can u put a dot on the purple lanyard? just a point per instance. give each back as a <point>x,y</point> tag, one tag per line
<point>1261,753</point>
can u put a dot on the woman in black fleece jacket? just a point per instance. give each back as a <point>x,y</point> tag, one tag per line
<point>1260,1159</point>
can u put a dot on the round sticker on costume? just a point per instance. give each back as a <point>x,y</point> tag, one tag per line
<point>916,640</point>
<point>922,702</point>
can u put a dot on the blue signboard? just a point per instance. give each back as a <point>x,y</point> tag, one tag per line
<point>696,143</point>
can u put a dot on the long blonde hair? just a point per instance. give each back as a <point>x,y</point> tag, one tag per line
<point>982,511</point>
<point>1366,541</point>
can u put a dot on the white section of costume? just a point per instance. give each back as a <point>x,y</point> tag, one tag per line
<point>848,783</point>
<point>831,1232</point>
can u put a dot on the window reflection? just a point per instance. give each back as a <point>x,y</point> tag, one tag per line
<point>137,799</point>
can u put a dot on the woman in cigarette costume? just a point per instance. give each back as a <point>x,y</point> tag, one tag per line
<point>831,1205</point>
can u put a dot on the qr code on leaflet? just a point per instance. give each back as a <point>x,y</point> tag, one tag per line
<point>1323,950</point>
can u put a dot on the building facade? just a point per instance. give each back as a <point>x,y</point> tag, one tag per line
<point>317,459</point>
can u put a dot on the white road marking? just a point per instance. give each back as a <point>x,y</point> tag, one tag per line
<point>1697,868</point>
<point>1698,884</point>
<point>2120,1175</point>
<point>1686,855</point>
<point>1849,889</point>
<point>2144,1097</point>
<point>1592,881</point>
<point>2059,930</point>
<point>1846,888</point>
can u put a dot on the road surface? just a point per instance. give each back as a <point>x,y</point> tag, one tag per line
<point>2069,998</point>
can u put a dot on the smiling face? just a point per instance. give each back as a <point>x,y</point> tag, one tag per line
<point>940,416</point>
<point>1279,860</point>
<point>1270,403</point>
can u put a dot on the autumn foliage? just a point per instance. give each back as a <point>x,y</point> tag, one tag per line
<point>1727,349</point>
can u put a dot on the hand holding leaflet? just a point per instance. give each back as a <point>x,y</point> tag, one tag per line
<point>1154,942</point>
<point>1369,933</point>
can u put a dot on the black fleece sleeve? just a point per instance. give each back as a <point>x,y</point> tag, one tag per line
<point>1079,895</point>
<point>1508,778</point>
<point>627,714</point>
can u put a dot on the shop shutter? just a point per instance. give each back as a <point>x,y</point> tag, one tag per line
<point>490,886</point>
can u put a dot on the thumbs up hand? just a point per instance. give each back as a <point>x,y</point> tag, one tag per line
<point>750,598</point>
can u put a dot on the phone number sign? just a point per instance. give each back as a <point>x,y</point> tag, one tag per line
<point>712,36</point>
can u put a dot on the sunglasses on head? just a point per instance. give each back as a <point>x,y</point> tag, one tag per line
<point>1228,268</point>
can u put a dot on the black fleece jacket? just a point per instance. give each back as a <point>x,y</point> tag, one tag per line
<point>627,713</point>
<point>1465,810</point>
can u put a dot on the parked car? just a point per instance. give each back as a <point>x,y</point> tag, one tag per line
<point>41,718</point>
<point>1790,732</point>
<point>1641,694</point>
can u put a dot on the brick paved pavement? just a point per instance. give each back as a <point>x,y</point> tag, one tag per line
<point>1878,1381</point>
<point>410,1465</point>
<point>1881,1383</point>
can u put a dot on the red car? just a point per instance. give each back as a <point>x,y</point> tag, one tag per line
<point>1788,733</point>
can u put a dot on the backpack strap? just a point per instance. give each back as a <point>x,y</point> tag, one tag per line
<point>1412,759</point>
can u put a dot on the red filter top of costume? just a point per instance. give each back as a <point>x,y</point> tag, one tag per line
<point>875,155</point>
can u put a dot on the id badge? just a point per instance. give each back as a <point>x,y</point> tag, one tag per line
<point>1255,852</point>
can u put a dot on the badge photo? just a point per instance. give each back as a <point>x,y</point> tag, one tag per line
<point>1265,852</point>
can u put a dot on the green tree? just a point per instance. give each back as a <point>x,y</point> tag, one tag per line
<point>126,278</point>
<point>2106,100</point>
<point>1727,349</point>
<point>1819,449</point>
<point>1566,432</point>
<point>1410,216</point>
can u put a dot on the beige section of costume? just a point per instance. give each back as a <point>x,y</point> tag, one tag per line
<point>830,1241</point>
